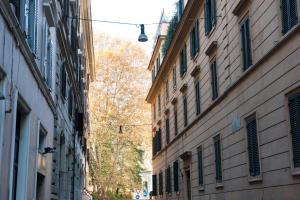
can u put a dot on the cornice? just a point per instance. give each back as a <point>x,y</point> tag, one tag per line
<point>183,28</point>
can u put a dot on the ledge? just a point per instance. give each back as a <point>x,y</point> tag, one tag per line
<point>195,71</point>
<point>240,5</point>
<point>174,101</point>
<point>211,48</point>
<point>183,88</point>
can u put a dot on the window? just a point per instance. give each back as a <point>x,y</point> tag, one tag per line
<point>159,105</point>
<point>180,8</point>
<point>167,90</point>
<point>157,64</point>
<point>161,183</point>
<point>185,114</point>
<point>49,64</point>
<point>197,97</point>
<point>17,8</point>
<point>294,108</point>
<point>218,159</point>
<point>70,103</point>
<point>32,25</point>
<point>153,75</point>
<point>63,82</point>
<point>42,140</point>
<point>174,78</point>
<point>289,14</point>
<point>183,61</point>
<point>175,121</point>
<point>175,176</point>
<point>154,111</point>
<point>214,80</point>
<point>167,131</point>
<point>154,185</point>
<point>246,44</point>
<point>200,166</point>
<point>210,15</point>
<point>168,180</point>
<point>156,142</point>
<point>194,40</point>
<point>253,152</point>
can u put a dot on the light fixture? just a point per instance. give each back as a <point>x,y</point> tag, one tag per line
<point>143,37</point>
<point>48,150</point>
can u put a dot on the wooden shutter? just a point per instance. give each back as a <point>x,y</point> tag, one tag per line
<point>185,111</point>
<point>50,64</point>
<point>213,10</point>
<point>214,80</point>
<point>175,176</point>
<point>154,185</point>
<point>192,43</point>
<point>31,24</point>
<point>26,17</point>
<point>293,12</point>
<point>161,183</point>
<point>175,122</point>
<point>197,36</point>
<point>184,59</point>
<point>289,14</point>
<point>294,110</point>
<point>200,166</point>
<point>168,180</point>
<point>197,96</point>
<point>218,159</point>
<point>167,131</point>
<point>246,44</point>
<point>253,152</point>
<point>207,19</point>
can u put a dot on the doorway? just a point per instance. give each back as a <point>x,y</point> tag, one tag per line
<point>188,184</point>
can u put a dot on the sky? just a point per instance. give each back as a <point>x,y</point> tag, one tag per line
<point>132,11</point>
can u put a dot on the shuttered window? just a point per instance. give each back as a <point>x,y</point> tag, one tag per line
<point>32,25</point>
<point>63,82</point>
<point>167,131</point>
<point>175,121</point>
<point>153,75</point>
<point>253,151</point>
<point>49,64</point>
<point>214,80</point>
<point>157,64</point>
<point>246,44</point>
<point>175,176</point>
<point>197,97</point>
<point>183,61</point>
<point>200,166</point>
<point>167,90</point>
<point>294,110</point>
<point>70,102</point>
<point>218,158</point>
<point>159,105</point>
<point>289,14</point>
<point>194,40</point>
<point>185,111</point>
<point>156,142</point>
<point>174,78</point>
<point>161,183</point>
<point>180,8</point>
<point>168,180</point>
<point>154,185</point>
<point>210,15</point>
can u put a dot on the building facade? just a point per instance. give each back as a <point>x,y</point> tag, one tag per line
<point>225,102</point>
<point>46,63</point>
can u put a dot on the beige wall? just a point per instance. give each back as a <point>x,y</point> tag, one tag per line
<point>261,90</point>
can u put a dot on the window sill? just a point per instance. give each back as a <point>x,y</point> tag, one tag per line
<point>296,171</point>
<point>219,186</point>
<point>201,188</point>
<point>255,179</point>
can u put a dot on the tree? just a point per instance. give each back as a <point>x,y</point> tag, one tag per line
<point>117,101</point>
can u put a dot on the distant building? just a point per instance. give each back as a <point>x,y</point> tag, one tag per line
<point>226,102</point>
<point>46,64</point>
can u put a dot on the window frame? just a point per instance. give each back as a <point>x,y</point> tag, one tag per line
<point>185,110</point>
<point>201,185</point>
<point>197,97</point>
<point>249,63</point>
<point>283,31</point>
<point>214,61</point>
<point>219,184</point>
<point>183,61</point>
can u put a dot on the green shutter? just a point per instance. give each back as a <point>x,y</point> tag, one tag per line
<point>289,14</point>
<point>167,131</point>
<point>197,96</point>
<point>213,12</point>
<point>197,37</point>
<point>175,176</point>
<point>192,44</point>
<point>200,166</point>
<point>246,44</point>
<point>161,183</point>
<point>175,122</point>
<point>293,12</point>
<point>253,152</point>
<point>218,159</point>
<point>206,21</point>
<point>214,80</point>
<point>185,111</point>
<point>294,110</point>
<point>168,180</point>
<point>154,185</point>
